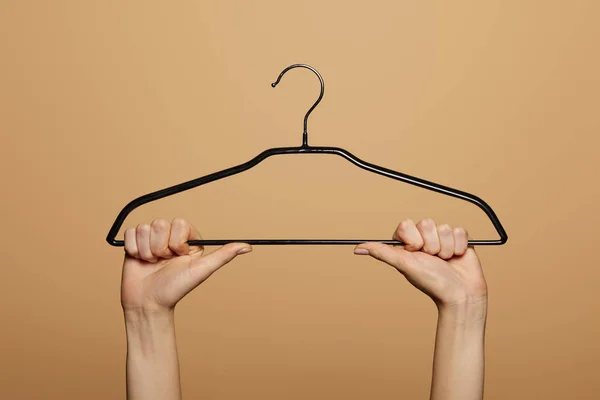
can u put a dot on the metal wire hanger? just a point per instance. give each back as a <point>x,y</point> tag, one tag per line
<point>305,149</point>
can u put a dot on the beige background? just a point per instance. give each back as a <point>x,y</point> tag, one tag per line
<point>101,102</point>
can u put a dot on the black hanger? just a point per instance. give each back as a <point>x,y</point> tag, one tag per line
<point>305,149</point>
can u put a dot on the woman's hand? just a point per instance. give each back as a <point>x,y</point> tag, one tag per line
<point>435,259</point>
<point>160,268</point>
<point>438,261</point>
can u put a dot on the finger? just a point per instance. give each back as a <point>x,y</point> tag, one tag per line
<point>203,266</point>
<point>195,235</point>
<point>446,237</point>
<point>408,233</point>
<point>394,256</point>
<point>181,232</point>
<point>461,241</point>
<point>130,243</point>
<point>159,238</point>
<point>142,237</point>
<point>471,258</point>
<point>431,241</point>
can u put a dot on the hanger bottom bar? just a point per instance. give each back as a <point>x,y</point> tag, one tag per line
<point>220,242</point>
<point>320,241</point>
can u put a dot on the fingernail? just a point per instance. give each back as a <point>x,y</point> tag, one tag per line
<point>361,251</point>
<point>244,250</point>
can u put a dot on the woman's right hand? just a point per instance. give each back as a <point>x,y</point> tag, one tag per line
<point>160,268</point>
<point>437,260</point>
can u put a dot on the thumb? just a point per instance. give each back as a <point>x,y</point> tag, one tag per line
<point>205,264</point>
<point>391,255</point>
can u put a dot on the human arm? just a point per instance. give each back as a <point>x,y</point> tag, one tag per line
<point>438,261</point>
<point>159,269</point>
<point>152,365</point>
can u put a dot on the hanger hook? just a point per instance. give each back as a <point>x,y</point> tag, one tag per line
<point>304,133</point>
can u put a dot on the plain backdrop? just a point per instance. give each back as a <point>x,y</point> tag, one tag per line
<point>102,102</point>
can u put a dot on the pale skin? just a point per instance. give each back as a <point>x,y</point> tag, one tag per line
<point>160,268</point>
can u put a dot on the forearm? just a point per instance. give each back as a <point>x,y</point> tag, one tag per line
<point>458,365</point>
<point>152,361</point>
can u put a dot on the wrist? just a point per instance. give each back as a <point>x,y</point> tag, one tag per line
<point>149,334</point>
<point>471,313</point>
<point>142,315</point>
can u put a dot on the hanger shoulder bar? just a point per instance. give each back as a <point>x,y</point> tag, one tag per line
<point>159,194</point>
<point>430,186</point>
